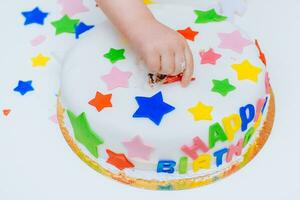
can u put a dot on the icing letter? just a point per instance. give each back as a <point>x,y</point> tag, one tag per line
<point>248,136</point>
<point>192,150</point>
<point>183,165</point>
<point>235,150</point>
<point>231,125</point>
<point>219,156</point>
<point>202,162</point>
<point>247,118</point>
<point>259,105</point>
<point>216,133</point>
<point>264,107</point>
<point>166,166</point>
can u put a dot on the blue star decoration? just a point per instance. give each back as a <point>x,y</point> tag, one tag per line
<point>24,87</point>
<point>82,28</point>
<point>36,16</point>
<point>153,108</point>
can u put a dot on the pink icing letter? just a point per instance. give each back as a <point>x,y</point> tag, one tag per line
<point>191,151</point>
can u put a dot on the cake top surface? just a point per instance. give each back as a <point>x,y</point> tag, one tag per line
<point>103,79</point>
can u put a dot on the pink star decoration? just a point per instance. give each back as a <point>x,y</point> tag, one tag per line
<point>209,57</point>
<point>116,78</point>
<point>234,41</point>
<point>137,148</point>
<point>72,7</point>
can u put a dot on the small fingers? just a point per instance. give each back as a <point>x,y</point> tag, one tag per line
<point>167,63</point>
<point>180,63</point>
<point>189,70</point>
<point>153,62</point>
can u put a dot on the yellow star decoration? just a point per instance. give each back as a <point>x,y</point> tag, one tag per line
<point>147,2</point>
<point>201,112</point>
<point>246,70</point>
<point>40,60</point>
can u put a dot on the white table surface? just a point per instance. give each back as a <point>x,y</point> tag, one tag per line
<point>37,164</point>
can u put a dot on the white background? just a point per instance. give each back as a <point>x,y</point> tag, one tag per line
<point>37,164</point>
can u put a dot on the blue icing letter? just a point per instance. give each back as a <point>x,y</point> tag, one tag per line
<point>166,166</point>
<point>247,114</point>
<point>219,156</point>
<point>265,104</point>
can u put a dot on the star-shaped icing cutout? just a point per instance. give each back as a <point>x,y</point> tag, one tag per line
<point>40,60</point>
<point>153,108</point>
<point>223,87</point>
<point>72,7</point>
<point>6,112</point>
<point>201,112</point>
<point>208,16</point>
<point>116,78</point>
<point>262,56</point>
<point>24,87</point>
<point>209,57</point>
<point>234,41</point>
<point>247,71</point>
<point>65,25</point>
<point>82,28</point>
<point>101,101</point>
<point>137,149</point>
<point>232,7</point>
<point>84,133</point>
<point>115,55</point>
<point>36,16</point>
<point>188,33</point>
<point>119,160</point>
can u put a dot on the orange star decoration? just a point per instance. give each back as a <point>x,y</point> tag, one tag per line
<point>118,160</point>
<point>188,33</point>
<point>6,112</point>
<point>247,71</point>
<point>101,101</point>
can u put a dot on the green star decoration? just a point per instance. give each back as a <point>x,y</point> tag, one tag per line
<point>208,16</point>
<point>222,87</point>
<point>65,25</point>
<point>115,55</point>
<point>84,134</point>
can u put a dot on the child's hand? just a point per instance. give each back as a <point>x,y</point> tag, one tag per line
<point>163,50</point>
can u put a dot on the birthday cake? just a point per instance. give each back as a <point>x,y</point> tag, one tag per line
<point>160,135</point>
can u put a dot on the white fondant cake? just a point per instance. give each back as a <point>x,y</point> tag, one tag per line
<point>166,132</point>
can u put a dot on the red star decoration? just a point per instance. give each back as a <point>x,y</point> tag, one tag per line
<point>101,101</point>
<point>6,112</point>
<point>262,56</point>
<point>209,57</point>
<point>188,33</point>
<point>118,160</point>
